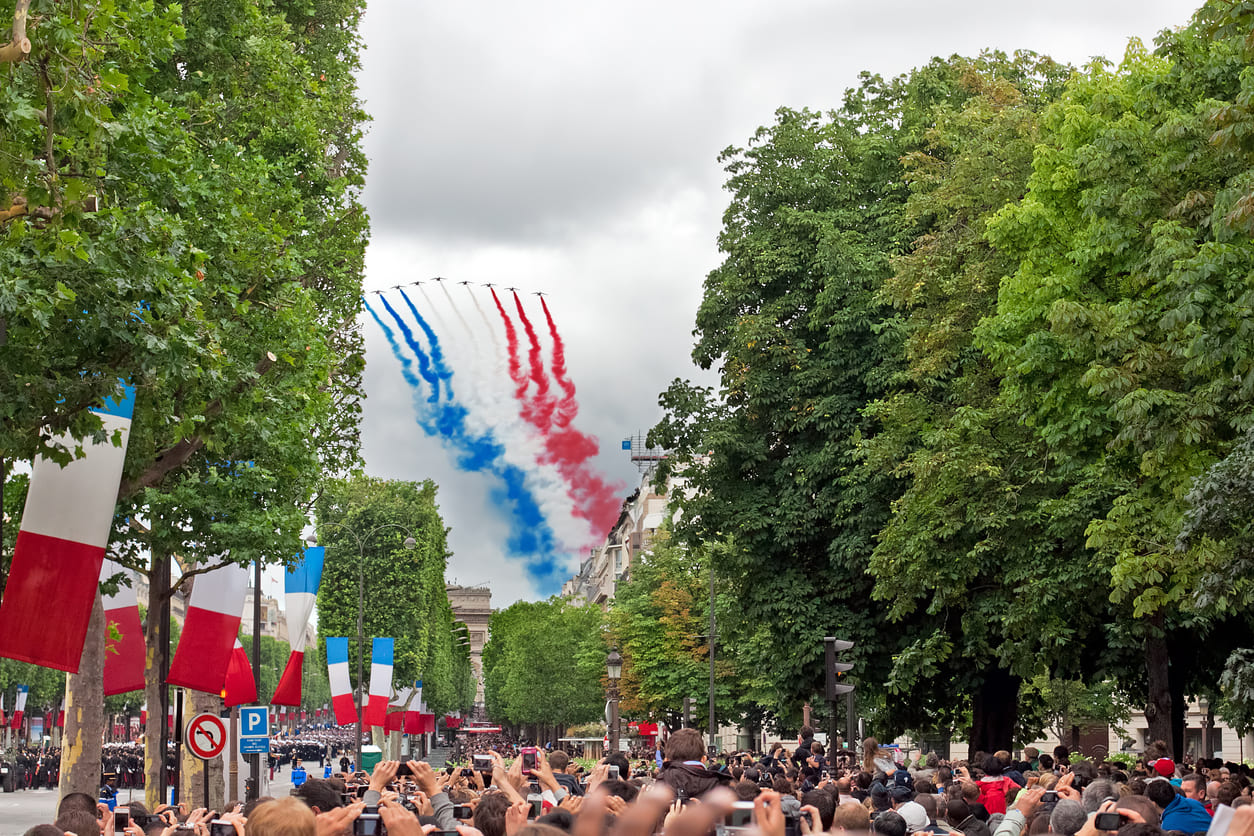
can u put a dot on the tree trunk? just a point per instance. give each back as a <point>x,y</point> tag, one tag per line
<point>1179,706</point>
<point>1158,707</point>
<point>994,710</point>
<point>192,773</point>
<point>156,641</point>
<point>84,712</point>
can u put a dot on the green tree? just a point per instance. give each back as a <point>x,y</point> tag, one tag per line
<point>364,522</point>
<point>1122,332</point>
<point>544,664</point>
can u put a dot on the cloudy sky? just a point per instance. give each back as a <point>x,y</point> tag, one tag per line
<point>571,147</point>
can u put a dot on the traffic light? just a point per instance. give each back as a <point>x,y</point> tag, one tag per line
<point>836,688</point>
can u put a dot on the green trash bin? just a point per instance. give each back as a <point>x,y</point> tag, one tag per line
<point>370,757</point>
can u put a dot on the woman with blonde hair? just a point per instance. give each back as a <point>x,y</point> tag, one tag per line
<point>284,817</point>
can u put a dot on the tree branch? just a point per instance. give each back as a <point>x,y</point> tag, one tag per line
<point>18,46</point>
<point>174,457</point>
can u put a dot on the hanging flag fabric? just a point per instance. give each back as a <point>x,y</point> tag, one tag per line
<point>341,686</point>
<point>241,688</point>
<point>380,682</point>
<point>300,587</point>
<point>61,544</point>
<point>124,656</point>
<point>19,705</point>
<point>210,629</point>
<point>61,715</point>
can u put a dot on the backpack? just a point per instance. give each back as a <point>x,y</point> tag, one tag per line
<point>993,794</point>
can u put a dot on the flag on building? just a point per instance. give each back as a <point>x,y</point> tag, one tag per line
<point>19,705</point>
<point>124,655</point>
<point>380,682</point>
<point>341,686</point>
<point>210,630</point>
<point>61,544</point>
<point>300,586</point>
<point>241,688</point>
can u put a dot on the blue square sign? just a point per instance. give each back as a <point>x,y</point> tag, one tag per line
<point>254,721</point>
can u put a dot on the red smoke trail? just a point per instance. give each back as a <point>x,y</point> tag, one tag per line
<point>595,500</point>
<point>516,373</point>
<point>567,407</point>
<point>541,403</point>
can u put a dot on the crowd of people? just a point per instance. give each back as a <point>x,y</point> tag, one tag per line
<point>789,791</point>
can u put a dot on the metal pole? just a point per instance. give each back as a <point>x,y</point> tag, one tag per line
<point>852,720</point>
<point>361,682</point>
<point>254,761</point>
<point>713,728</point>
<point>613,715</point>
<point>178,747</point>
<point>160,591</point>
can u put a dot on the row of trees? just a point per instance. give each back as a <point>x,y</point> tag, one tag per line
<point>986,387</point>
<point>180,209</point>
<point>364,524</point>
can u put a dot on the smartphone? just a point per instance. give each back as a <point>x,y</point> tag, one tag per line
<point>463,811</point>
<point>529,756</point>
<point>368,824</point>
<point>1108,821</point>
<point>468,773</point>
<point>1050,797</point>
<point>740,815</point>
<point>537,806</point>
<point>483,763</point>
<point>403,769</point>
<point>121,819</point>
<point>217,827</point>
<point>613,772</point>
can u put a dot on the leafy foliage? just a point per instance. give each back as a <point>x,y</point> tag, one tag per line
<point>544,663</point>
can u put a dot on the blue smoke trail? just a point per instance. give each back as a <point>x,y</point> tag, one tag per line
<point>424,364</point>
<point>437,353</point>
<point>530,536</point>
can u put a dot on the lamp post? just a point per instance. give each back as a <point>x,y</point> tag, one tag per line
<point>614,670</point>
<point>1208,723</point>
<point>361,541</point>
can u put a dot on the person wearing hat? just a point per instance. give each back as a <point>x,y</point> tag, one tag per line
<point>909,809</point>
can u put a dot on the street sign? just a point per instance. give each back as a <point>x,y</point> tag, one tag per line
<point>206,736</point>
<point>254,745</point>
<point>254,730</point>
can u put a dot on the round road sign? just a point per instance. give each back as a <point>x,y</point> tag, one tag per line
<point>206,736</point>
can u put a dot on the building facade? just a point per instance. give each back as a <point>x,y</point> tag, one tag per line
<point>472,605</point>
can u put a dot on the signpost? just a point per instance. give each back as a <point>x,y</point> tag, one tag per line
<point>205,738</point>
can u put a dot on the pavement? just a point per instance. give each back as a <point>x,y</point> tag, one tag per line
<point>20,811</point>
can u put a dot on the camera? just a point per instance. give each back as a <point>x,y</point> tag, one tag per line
<point>1108,821</point>
<point>369,824</point>
<point>217,827</point>
<point>121,819</point>
<point>613,772</point>
<point>403,769</point>
<point>463,811</point>
<point>741,814</point>
<point>483,763</point>
<point>467,773</point>
<point>1050,797</point>
<point>529,757</point>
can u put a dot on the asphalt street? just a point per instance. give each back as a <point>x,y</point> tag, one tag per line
<point>20,811</point>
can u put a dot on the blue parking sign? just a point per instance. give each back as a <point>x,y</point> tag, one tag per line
<point>254,723</point>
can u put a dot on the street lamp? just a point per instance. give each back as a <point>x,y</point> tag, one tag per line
<point>614,670</point>
<point>361,541</point>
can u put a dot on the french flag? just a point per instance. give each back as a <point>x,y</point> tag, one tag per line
<point>301,590</point>
<point>124,657</point>
<point>240,688</point>
<point>380,682</point>
<point>209,631</point>
<point>61,544</point>
<point>3,721</point>
<point>341,686</point>
<point>19,705</point>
